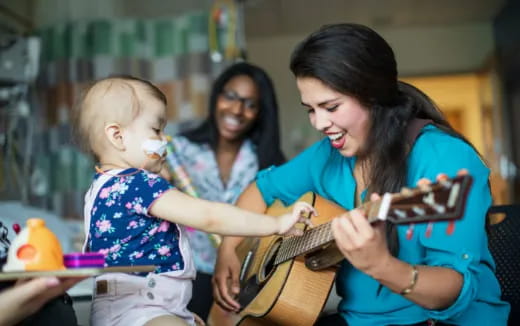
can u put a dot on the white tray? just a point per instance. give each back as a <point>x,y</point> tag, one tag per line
<point>76,272</point>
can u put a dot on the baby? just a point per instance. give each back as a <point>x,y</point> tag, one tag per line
<point>134,217</point>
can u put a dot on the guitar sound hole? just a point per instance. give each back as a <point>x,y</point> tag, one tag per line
<point>250,288</point>
<point>248,291</point>
<point>268,265</point>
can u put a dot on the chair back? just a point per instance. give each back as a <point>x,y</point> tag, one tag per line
<point>504,244</point>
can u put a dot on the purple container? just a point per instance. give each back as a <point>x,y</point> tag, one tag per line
<point>84,260</point>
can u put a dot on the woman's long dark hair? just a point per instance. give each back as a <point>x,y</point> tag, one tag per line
<point>354,60</point>
<point>265,133</point>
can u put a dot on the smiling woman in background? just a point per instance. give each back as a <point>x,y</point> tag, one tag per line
<point>223,155</point>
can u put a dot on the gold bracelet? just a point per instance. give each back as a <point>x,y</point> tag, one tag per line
<point>415,275</point>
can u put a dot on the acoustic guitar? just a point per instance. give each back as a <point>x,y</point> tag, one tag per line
<point>287,280</point>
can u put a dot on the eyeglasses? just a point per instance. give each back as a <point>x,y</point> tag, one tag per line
<point>232,96</point>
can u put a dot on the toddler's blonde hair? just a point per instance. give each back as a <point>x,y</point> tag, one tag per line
<point>110,100</point>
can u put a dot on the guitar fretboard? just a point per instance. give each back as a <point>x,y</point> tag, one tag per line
<point>310,240</point>
<point>316,237</point>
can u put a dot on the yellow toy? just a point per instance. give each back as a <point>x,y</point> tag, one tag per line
<point>37,252</point>
<point>35,248</point>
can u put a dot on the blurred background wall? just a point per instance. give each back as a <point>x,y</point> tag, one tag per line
<point>463,53</point>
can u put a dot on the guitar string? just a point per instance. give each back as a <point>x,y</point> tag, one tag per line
<point>320,235</point>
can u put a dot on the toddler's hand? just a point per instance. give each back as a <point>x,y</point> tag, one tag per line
<point>299,214</point>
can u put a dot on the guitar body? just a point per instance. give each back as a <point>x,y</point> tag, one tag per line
<point>287,280</point>
<point>289,293</point>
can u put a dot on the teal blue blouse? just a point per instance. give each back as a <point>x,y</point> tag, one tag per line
<point>323,170</point>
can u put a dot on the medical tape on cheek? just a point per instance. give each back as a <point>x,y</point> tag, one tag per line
<point>155,148</point>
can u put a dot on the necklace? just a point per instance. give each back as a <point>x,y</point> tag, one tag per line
<point>99,170</point>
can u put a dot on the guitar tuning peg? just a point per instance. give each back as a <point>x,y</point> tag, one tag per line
<point>446,183</point>
<point>425,187</point>
<point>442,177</point>
<point>429,229</point>
<point>406,191</point>
<point>409,232</point>
<point>451,228</point>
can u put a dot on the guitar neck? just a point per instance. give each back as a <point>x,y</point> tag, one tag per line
<point>317,237</point>
<point>444,200</point>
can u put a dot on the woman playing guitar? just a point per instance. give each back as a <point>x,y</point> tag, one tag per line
<point>391,275</point>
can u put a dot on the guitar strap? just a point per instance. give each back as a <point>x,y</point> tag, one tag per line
<point>414,130</point>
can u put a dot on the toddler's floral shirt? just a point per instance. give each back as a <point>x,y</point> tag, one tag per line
<point>123,230</point>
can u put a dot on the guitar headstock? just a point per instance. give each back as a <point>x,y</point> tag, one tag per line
<point>444,200</point>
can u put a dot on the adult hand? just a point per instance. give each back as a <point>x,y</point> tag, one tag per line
<point>363,245</point>
<point>198,320</point>
<point>28,296</point>
<point>225,280</point>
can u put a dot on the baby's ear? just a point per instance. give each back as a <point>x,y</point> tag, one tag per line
<point>114,135</point>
